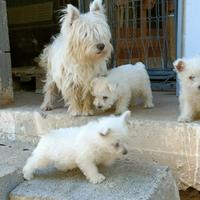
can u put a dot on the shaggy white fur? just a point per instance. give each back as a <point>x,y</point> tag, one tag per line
<point>77,54</point>
<point>98,142</point>
<point>122,84</point>
<point>188,71</point>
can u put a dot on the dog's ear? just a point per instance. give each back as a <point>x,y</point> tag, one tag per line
<point>126,116</point>
<point>70,14</point>
<point>97,6</point>
<point>179,65</point>
<point>105,132</point>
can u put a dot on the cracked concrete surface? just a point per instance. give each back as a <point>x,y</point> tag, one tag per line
<point>155,135</point>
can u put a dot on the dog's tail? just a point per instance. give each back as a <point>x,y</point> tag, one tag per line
<point>44,123</point>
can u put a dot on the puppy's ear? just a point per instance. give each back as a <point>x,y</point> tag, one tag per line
<point>70,14</point>
<point>126,116</point>
<point>105,132</point>
<point>179,65</point>
<point>97,6</point>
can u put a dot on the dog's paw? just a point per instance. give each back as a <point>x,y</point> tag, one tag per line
<point>120,111</point>
<point>149,105</point>
<point>185,119</point>
<point>46,107</point>
<point>88,113</point>
<point>27,175</point>
<point>99,178</point>
<point>75,113</point>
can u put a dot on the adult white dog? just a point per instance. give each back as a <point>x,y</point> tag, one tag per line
<point>77,55</point>
<point>98,142</point>
<point>120,86</point>
<point>188,71</point>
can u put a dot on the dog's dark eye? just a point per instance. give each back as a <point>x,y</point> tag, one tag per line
<point>191,77</point>
<point>117,145</point>
<point>104,97</point>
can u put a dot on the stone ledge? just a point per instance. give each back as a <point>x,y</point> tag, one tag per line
<point>155,135</point>
<point>125,180</point>
<point>10,177</point>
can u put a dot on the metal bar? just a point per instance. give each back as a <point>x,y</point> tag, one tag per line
<point>179,35</point>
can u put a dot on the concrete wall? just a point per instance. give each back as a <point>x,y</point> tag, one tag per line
<point>191,28</point>
<point>6,92</point>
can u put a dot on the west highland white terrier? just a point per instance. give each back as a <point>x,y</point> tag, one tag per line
<point>77,54</point>
<point>85,147</point>
<point>120,86</point>
<point>188,71</point>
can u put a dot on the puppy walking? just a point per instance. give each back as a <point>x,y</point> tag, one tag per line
<point>188,71</point>
<point>98,142</point>
<point>78,54</point>
<point>120,86</point>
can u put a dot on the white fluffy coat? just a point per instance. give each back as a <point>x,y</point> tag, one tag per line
<point>122,84</point>
<point>98,142</point>
<point>188,71</point>
<point>77,54</point>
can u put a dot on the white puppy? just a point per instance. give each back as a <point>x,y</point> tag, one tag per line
<point>188,71</point>
<point>120,86</point>
<point>77,54</point>
<point>98,142</point>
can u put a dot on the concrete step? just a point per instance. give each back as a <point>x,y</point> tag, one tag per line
<point>125,180</point>
<point>10,177</point>
<point>155,135</point>
<point>12,158</point>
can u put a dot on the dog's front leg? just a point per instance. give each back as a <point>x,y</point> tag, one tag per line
<point>50,91</point>
<point>73,99</point>
<point>90,170</point>
<point>186,112</point>
<point>87,105</point>
<point>122,104</point>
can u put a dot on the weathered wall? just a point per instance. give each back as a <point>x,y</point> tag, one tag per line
<point>191,28</point>
<point>6,92</point>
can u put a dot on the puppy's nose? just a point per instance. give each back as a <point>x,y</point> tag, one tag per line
<point>125,151</point>
<point>100,46</point>
<point>199,87</point>
<point>99,107</point>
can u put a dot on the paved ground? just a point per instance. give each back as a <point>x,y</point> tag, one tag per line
<point>124,180</point>
<point>166,109</point>
<point>166,106</point>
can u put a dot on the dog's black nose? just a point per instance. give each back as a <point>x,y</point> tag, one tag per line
<point>99,107</point>
<point>100,46</point>
<point>199,87</point>
<point>125,152</point>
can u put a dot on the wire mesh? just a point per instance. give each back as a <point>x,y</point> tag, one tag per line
<point>143,30</point>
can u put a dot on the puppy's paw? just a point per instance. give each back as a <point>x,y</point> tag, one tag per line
<point>99,178</point>
<point>149,105</point>
<point>185,119</point>
<point>45,107</point>
<point>27,175</point>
